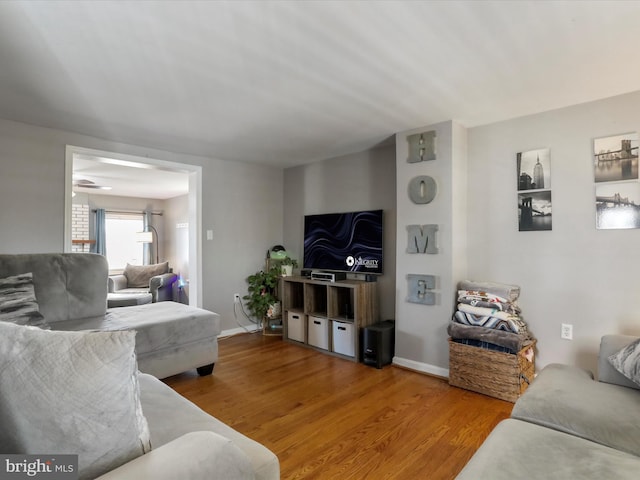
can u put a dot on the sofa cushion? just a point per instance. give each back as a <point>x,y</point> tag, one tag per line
<point>517,449</point>
<point>18,302</point>
<point>170,416</point>
<point>627,361</point>
<point>566,398</point>
<point>140,275</point>
<point>71,393</point>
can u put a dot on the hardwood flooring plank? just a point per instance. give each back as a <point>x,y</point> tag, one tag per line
<point>328,418</point>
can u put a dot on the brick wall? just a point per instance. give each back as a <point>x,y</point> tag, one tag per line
<point>80,227</point>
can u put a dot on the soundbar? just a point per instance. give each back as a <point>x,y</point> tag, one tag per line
<point>328,276</point>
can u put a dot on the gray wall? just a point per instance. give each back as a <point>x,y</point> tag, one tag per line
<point>241,203</point>
<point>360,181</point>
<point>421,337</point>
<point>176,231</point>
<point>573,274</point>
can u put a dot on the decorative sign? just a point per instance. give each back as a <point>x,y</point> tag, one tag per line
<point>419,286</point>
<point>422,239</point>
<point>422,189</point>
<point>422,147</point>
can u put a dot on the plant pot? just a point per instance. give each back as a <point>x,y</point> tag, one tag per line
<point>287,270</point>
<point>275,310</point>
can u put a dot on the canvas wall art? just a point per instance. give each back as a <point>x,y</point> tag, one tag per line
<point>615,158</point>
<point>534,211</point>
<point>618,205</point>
<point>534,170</point>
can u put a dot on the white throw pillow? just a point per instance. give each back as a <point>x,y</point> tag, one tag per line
<point>71,393</point>
<point>627,361</point>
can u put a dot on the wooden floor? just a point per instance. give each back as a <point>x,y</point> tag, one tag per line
<point>328,418</point>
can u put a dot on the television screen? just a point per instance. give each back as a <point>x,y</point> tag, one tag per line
<point>345,242</point>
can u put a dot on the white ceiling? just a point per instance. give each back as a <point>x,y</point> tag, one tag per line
<point>286,83</point>
<point>126,178</point>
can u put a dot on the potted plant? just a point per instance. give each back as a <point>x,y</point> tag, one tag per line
<point>261,299</point>
<point>288,264</point>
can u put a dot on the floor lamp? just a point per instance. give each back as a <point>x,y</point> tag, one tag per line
<point>147,237</point>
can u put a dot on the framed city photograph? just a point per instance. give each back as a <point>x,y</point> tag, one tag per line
<point>618,205</point>
<point>534,170</point>
<point>615,158</point>
<point>534,211</point>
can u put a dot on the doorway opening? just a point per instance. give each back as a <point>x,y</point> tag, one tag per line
<point>129,183</point>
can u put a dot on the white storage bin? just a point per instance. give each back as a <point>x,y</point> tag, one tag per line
<point>343,341</point>
<point>295,326</point>
<point>318,332</point>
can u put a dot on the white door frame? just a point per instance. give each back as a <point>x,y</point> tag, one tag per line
<point>195,207</point>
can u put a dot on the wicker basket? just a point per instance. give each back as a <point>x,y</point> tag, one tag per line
<point>497,374</point>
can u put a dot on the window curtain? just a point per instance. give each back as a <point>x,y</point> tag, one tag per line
<point>100,247</point>
<point>147,248</point>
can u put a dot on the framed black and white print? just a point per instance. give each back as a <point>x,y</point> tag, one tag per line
<point>615,158</point>
<point>534,170</point>
<point>617,205</point>
<point>534,211</point>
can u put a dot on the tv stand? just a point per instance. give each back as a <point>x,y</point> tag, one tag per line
<point>328,316</point>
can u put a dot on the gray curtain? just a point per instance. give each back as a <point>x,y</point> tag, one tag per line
<point>147,248</point>
<point>100,246</point>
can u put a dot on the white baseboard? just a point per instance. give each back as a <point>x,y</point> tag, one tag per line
<point>236,331</point>
<point>421,367</point>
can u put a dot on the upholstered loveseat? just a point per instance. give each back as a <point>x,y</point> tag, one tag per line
<point>71,293</point>
<point>569,426</point>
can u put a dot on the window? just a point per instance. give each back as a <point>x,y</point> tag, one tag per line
<point>122,245</point>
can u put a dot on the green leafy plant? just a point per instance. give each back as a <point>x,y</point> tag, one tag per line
<point>289,261</point>
<point>262,292</point>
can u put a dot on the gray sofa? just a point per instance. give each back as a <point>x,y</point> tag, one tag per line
<point>71,291</point>
<point>134,280</point>
<point>180,434</point>
<point>568,426</point>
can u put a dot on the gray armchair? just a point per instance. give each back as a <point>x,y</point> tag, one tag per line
<point>155,279</point>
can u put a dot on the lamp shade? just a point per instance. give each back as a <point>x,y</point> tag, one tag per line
<point>144,237</point>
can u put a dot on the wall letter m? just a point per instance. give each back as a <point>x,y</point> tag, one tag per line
<point>422,239</point>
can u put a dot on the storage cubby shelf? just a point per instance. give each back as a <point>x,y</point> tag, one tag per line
<point>328,316</point>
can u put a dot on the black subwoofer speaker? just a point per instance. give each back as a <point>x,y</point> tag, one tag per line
<point>378,343</point>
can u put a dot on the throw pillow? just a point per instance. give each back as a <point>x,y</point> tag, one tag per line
<point>71,393</point>
<point>627,361</point>
<point>139,275</point>
<point>18,302</point>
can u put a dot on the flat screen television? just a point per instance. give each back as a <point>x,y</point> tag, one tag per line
<point>344,242</point>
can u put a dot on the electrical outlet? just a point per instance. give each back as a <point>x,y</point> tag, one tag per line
<point>236,298</point>
<point>567,331</point>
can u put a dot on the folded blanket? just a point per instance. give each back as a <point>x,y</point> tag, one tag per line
<point>508,292</point>
<point>487,312</point>
<point>483,299</point>
<point>512,341</point>
<point>514,324</point>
